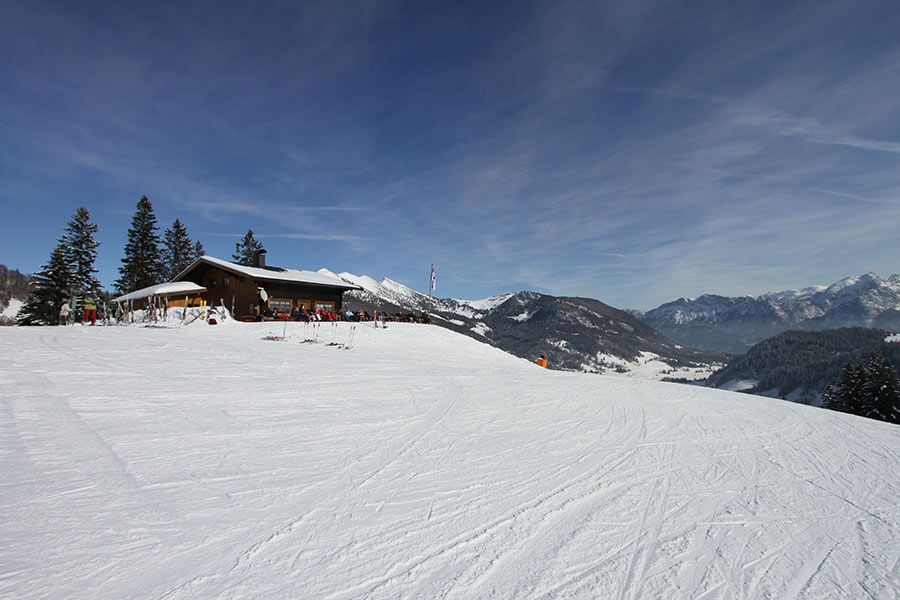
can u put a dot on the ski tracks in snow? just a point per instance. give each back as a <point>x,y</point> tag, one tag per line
<point>422,464</point>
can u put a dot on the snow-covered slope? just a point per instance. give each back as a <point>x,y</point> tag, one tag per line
<point>205,462</point>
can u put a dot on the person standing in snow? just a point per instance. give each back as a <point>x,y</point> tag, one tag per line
<point>64,313</point>
<point>90,308</point>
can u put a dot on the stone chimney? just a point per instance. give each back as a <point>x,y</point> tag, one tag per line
<point>261,258</point>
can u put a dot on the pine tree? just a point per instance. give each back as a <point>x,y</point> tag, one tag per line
<point>831,398</point>
<point>142,265</point>
<point>198,249</point>
<point>245,251</point>
<point>51,287</point>
<point>881,391</point>
<point>81,248</point>
<point>846,395</point>
<point>178,250</point>
<point>870,390</point>
<point>853,380</point>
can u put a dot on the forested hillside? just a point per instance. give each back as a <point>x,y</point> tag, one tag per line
<point>13,284</point>
<point>800,364</point>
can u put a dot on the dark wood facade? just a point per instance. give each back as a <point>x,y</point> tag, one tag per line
<point>240,293</point>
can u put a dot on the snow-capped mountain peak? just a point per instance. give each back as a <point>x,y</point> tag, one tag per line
<point>398,288</point>
<point>363,281</point>
<point>487,303</point>
<point>736,323</point>
<point>865,281</point>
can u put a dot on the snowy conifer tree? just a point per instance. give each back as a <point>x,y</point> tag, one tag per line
<point>81,248</point>
<point>846,396</point>
<point>51,287</point>
<point>870,390</point>
<point>142,265</point>
<point>178,251</point>
<point>245,250</point>
<point>881,391</point>
<point>831,398</point>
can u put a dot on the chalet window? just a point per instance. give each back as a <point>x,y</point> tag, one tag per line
<point>280,305</point>
<point>226,281</point>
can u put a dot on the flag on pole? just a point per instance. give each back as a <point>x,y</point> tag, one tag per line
<point>433,280</point>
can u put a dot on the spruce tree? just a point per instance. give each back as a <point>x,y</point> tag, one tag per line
<point>245,251</point>
<point>81,248</point>
<point>846,395</point>
<point>142,265</point>
<point>178,251</point>
<point>831,398</point>
<point>51,287</point>
<point>853,380</point>
<point>881,391</point>
<point>198,249</point>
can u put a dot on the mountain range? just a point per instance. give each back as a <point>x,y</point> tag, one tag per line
<point>734,324</point>
<point>574,334</point>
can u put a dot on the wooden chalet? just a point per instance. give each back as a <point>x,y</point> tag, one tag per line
<point>240,287</point>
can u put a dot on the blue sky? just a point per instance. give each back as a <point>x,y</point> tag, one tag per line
<point>631,151</point>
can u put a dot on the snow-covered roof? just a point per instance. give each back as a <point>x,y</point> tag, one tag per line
<point>273,274</point>
<point>171,288</point>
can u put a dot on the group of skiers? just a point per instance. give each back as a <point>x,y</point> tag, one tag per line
<point>89,306</point>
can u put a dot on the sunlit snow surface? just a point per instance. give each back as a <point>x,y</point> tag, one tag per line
<point>205,462</point>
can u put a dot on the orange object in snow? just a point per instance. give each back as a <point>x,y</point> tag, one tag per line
<point>541,362</point>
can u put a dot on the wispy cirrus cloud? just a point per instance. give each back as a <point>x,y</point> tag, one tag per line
<point>631,151</point>
<point>783,124</point>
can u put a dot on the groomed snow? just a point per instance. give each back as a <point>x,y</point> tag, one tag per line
<point>205,462</point>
